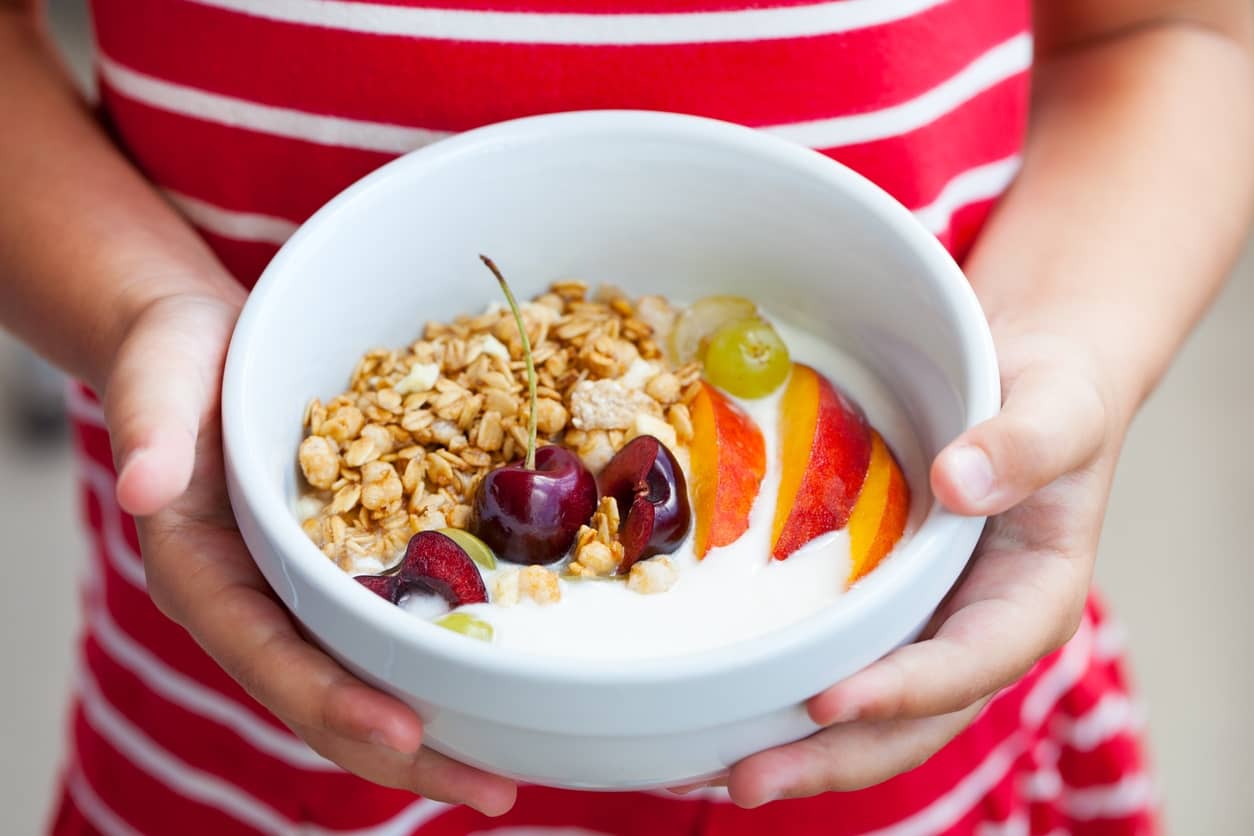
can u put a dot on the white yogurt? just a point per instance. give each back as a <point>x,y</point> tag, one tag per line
<point>735,593</point>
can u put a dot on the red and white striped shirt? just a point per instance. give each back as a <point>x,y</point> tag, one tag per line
<point>250,114</point>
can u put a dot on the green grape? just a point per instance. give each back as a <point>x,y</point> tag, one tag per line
<point>699,320</point>
<point>467,625</point>
<point>747,358</point>
<point>476,549</point>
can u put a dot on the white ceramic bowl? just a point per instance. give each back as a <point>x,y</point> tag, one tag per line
<point>653,203</point>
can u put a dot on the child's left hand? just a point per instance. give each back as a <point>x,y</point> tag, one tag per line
<point>1044,465</point>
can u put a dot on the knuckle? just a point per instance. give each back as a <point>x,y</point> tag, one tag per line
<point>1024,449</point>
<point>330,698</point>
<point>256,672</point>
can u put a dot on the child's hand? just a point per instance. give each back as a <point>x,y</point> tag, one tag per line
<point>162,407</point>
<point>1044,465</point>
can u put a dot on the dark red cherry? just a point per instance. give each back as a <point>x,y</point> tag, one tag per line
<point>433,565</point>
<point>532,516</point>
<point>434,562</point>
<point>386,587</point>
<point>649,488</point>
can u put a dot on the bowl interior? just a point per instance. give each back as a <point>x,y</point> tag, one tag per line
<point>651,203</point>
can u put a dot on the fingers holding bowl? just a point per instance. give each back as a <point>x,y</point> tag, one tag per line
<point>844,757</point>
<point>203,577</point>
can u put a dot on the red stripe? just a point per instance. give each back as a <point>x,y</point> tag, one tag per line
<point>592,6</point>
<point>245,260</point>
<point>92,441</point>
<point>452,85</point>
<point>327,798</point>
<point>134,613</point>
<point>1103,765</point>
<point>291,179</point>
<point>900,797</point>
<point>68,820</point>
<point>1045,818</point>
<point>1143,823</point>
<point>139,799</point>
<point>622,814</point>
<point>968,824</point>
<point>261,173</point>
<point>915,166</point>
<point>964,226</point>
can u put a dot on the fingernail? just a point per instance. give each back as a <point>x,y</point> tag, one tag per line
<point>972,472</point>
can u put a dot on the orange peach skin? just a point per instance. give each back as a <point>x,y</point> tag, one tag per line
<point>728,460</point>
<point>825,449</point>
<point>879,518</point>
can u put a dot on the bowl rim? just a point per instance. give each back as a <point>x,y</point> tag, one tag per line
<point>296,554</point>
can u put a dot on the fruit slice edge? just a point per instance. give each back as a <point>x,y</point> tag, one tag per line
<point>879,517</point>
<point>826,456</point>
<point>728,461</point>
<point>802,393</point>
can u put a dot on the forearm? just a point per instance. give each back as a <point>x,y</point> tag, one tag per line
<point>85,243</point>
<point>1133,200</point>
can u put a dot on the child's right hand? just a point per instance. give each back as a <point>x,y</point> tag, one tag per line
<point>161,403</point>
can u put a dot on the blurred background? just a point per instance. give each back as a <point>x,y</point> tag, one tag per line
<point>1175,561</point>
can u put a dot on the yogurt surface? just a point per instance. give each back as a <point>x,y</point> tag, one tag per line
<point>738,591</point>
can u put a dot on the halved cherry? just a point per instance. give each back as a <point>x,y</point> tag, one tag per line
<point>648,485</point>
<point>433,564</point>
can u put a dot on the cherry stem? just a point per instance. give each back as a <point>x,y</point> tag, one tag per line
<point>531,364</point>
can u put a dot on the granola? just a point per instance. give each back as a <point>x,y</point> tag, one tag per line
<point>405,447</point>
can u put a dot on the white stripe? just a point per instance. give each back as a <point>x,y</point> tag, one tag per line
<point>210,790</point>
<point>1113,714</point>
<point>589,29</point>
<point>1045,783</point>
<point>191,696</point>
<point>241,226</point>
<point>1109,641</point>
<point>953,805</point>
<point>123,558</point>
<point>1061,678</point>
<point>405,822</point>
<point>999,63</point>
<point>94,809</point>
<point>77,404</point>
<point>1041,785</point>
<point>279,121</point>
<point>1016,825</point>
<point>195,784</point>
<point>1130,795</point>
<point>1003,61</point>
<point>971,186</point>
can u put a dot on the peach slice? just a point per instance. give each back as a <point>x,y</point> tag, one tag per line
<point>728,461</point>
<point>825,448</point>
<point>879,517</point>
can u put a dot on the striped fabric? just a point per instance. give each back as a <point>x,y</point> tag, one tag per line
<point>249,114</point>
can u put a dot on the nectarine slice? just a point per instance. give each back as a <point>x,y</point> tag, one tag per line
<point>825,448</point>
<point>728,461</point>
<point>879,517</point>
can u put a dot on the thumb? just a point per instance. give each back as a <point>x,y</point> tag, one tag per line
<point>163,382</point>
<point>1051,423</point>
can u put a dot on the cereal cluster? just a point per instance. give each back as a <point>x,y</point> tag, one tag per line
<point>404,449</point>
